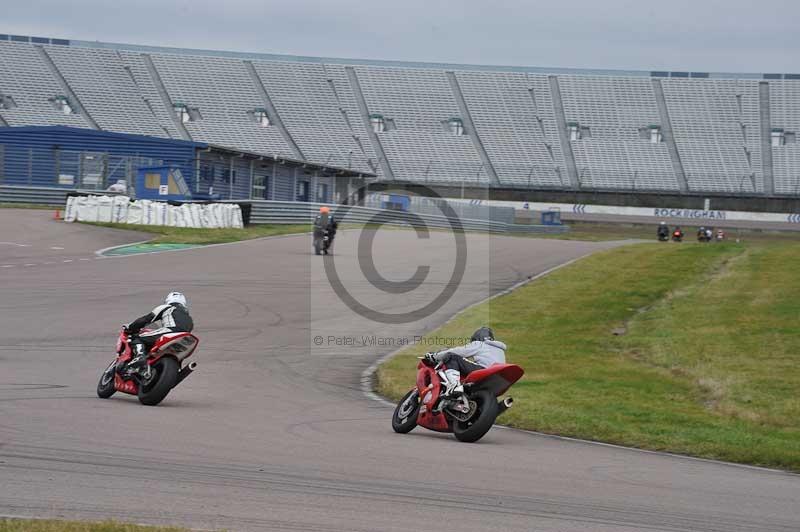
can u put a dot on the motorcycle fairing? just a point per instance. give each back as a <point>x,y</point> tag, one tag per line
<point>429,388</point>
<point>125,386</point>
<point>497,378</point>
<point>180,345</point>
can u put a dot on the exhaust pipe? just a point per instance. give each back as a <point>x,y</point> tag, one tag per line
<point>186,371</point>
<point>504,405</point>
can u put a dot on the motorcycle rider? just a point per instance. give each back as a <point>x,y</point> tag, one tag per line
<point>325,221</point>
<point>484,351</point>
<point>663,231</point>
<point>678,232</point>
<point>173,316</point>
<point>701,233</point>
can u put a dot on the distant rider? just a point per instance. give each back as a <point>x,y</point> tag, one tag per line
<point>325,221</point>
<point>173,316</point>
<point>484,351</point>
<point>663,231</point>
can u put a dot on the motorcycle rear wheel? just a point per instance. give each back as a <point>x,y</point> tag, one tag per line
<point>105,387</point>
<point>479,424</point>
<point>405,415</point>
<point>166,377</point>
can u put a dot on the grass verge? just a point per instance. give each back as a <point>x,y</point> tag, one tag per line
<point>705,360</point>
<point>188,235</point>
<point>48,525</point>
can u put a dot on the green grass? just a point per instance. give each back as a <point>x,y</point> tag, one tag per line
<point>42,525</point>
<point>188,235</point>
<point>708,363</point>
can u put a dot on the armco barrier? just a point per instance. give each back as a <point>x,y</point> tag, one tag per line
<point>280,212</point>
<point>287,212</point>
<point>35,195</point>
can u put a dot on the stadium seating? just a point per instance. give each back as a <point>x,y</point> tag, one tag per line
<point>438,124</point>
<point>613,153</point>
<point>785,114</point>
<point>513,114</point>
<point>712,141</point>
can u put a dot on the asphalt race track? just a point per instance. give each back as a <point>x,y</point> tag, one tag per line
<point>273,432</point>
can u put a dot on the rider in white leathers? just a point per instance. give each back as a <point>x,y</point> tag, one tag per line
<point>484,351</point>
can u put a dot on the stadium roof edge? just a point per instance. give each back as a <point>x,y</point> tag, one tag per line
<point>390,63</point>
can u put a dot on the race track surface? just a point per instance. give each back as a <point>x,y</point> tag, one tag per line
<point>272,432</point>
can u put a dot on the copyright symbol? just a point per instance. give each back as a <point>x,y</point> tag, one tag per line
<point>368,269</point>
<point>318,340</point>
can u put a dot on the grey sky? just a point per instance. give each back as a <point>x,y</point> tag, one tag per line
<point>700,35</point>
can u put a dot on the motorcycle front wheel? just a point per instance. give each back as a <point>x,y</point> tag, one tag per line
<point>106,388</point>
<point>479,424</point>
<point>164,377</point>
<point>405,415</point>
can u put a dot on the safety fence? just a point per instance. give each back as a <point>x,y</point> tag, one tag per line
<point>469,209</point>
<point>288,212</point>
<point>279,212</point>
<point>34,195</point>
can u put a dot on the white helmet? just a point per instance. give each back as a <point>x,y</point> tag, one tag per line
<point>175,297</point>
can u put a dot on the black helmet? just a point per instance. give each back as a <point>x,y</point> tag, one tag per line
<point>484,333</point>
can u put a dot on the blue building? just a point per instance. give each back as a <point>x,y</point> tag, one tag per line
<point>88,159</point>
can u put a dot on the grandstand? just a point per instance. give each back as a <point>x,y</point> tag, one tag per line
<point>532,128</point>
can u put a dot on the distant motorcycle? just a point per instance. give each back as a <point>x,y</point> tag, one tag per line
<point>663,237</point>
<point>468,416</point>
<point>165,368</point>
<point>703,236</point>
<point>677,236</point>
<point>323,239</point>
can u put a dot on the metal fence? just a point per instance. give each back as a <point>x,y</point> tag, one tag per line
<point>56,197</point>
<point>463,209</point>
<point>279,212</point>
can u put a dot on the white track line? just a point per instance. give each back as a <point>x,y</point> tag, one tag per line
<point>367,377</point>
<point>100,252</point>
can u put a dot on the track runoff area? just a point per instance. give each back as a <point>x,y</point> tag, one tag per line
<point>273,431</point>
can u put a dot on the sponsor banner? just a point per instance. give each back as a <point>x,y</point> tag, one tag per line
<point>652,212</point>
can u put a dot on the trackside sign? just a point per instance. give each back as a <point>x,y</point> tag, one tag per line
<point>690,213</point>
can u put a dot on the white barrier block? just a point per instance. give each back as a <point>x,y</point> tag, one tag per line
<point>87,209</point>
<point>136,212</point>
<point>237,217</point>
<point>119,209</point>
<point>195,215</point>
<point>71,211</point>
<point>104,209</point>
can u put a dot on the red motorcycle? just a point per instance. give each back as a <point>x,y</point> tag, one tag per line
<point>165,368</point>
<point>468,416</point>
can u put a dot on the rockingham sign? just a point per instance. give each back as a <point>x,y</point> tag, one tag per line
<point>691,213</point>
